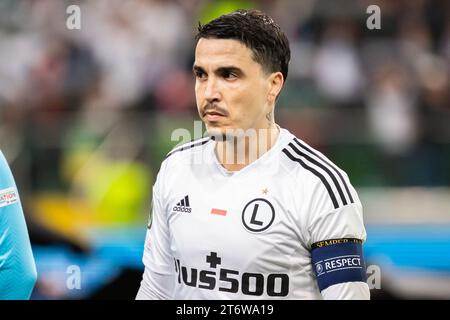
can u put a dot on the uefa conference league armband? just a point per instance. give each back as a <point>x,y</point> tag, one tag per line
<point>338,261</point>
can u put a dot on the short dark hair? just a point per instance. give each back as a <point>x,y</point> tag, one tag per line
<point>258,32</point>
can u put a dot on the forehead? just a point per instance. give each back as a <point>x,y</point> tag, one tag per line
<point>221,52</point>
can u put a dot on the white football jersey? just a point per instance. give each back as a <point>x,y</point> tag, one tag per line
<point>249,234</point>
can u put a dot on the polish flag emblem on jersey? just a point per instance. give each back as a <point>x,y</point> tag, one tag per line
<point>219,212</point>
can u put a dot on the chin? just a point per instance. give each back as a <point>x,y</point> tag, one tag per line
<point>219,133</point>
<point>215,132</point>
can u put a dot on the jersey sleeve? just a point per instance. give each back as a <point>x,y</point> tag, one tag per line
<point>336,236</point>
<point>347,291</point>
<point>17,267</point>
<point>158,279</point>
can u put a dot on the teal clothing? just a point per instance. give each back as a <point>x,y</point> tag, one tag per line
<point>17,267</point>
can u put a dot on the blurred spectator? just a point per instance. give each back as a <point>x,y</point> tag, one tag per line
<point>127,40</point>
<point>337,68</point>
<point>392,110</point>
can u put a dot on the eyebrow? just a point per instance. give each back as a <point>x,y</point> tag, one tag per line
<point>220,70</point>
<point>197,69</point>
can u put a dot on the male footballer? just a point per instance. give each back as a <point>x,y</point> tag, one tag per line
<point>242,216</point>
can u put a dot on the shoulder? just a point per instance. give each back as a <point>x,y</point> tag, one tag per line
<point>323,178</point>
<point>189,147</point>
<point>184,154</point>
<point>178,161</point>
<point>329,204</point>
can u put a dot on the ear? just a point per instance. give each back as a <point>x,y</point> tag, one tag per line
<point>276,82</point>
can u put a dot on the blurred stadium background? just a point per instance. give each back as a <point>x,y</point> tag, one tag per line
<point>86,117</point>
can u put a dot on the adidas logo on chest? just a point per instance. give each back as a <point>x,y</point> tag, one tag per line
<point>183,205</point>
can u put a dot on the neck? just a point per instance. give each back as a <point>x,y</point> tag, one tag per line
<point>237,152</point>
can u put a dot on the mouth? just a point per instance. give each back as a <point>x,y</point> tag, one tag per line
<point>213,116</point>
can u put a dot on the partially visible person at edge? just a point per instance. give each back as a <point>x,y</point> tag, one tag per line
<point>17,267</point>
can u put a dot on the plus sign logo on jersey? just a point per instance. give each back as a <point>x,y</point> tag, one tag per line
<point>258,215</point>
<point>213,260</point>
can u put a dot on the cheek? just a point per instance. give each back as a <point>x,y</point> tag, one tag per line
<point>197,90</point>
<point>198,94</point>
<point>254,100</point>
<point>238,101</point>
<point>246,110</point>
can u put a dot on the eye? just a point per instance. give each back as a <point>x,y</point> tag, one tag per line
<point>230,75</point>
<point>199,74</point>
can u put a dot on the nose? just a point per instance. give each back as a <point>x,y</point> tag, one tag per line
<point>212,92</point>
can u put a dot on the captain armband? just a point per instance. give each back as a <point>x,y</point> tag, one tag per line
<point>338,261</point>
